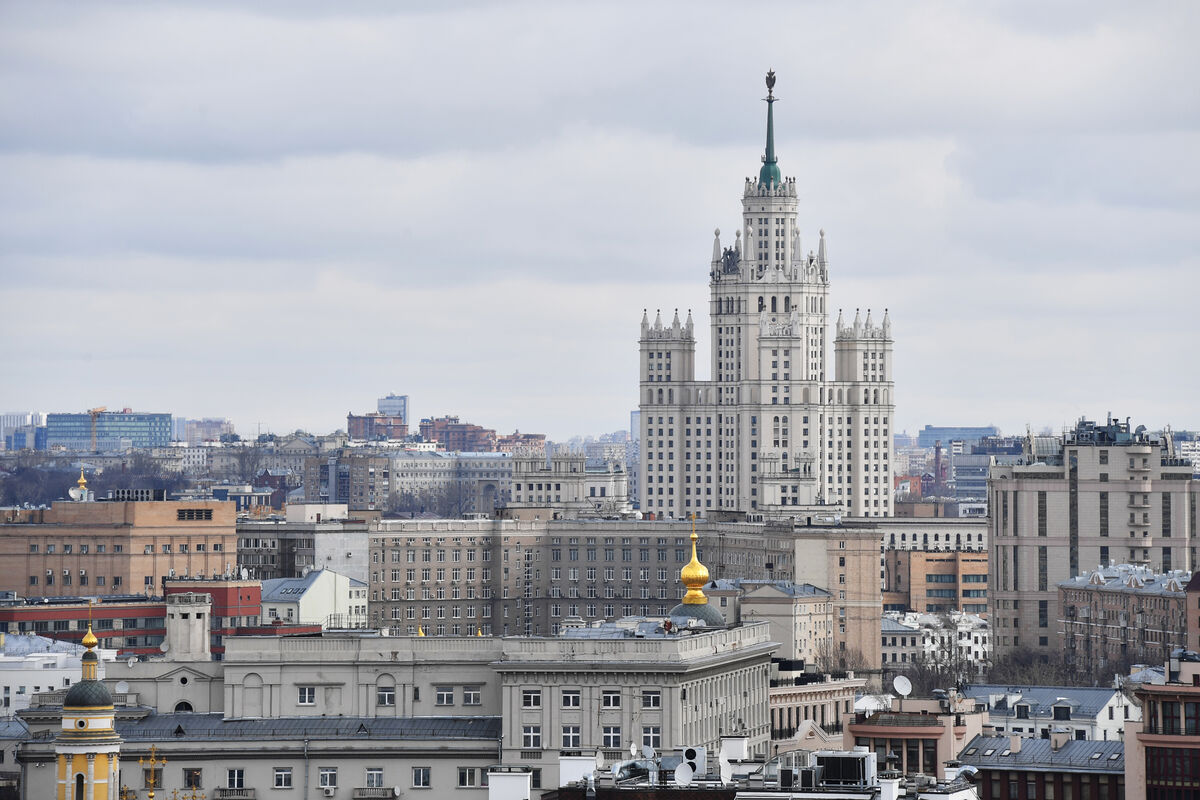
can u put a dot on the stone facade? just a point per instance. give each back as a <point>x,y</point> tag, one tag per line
<point>775,428</point>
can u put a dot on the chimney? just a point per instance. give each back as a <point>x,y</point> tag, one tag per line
<point>1014,744</point>
<point>889,785</point>
<point>1059,737</point>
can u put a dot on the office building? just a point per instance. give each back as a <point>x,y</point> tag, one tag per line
<point>930,435</point>
<point>775,429</point>
<point>108,430</point>
<point>1101,493</point>
<point>372,427</point>
<point>1162,750</point>
<point>394,405</point>
<point>935,582</point>
<point>454,436</point>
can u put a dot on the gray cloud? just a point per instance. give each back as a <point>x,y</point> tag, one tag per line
<point>474,204</point>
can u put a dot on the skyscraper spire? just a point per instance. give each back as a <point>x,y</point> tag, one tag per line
<point>769,174</point>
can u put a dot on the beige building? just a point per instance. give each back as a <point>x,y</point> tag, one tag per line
<point>935,582</point>
<point>846,560</point>
<point>809,710</point>
<point>800,615</point>
<point>115,546</point>
<point>565,487</point>
<point>1107,494</point>
<point>776,428</point>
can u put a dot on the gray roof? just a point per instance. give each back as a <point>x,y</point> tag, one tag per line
<point>889,625</point>
<point>160,727</point>
<point>1083,701</point>
<point>1075,755</point>
<point>282,590</point>
<point>787,587</point>
<point>13,728</point>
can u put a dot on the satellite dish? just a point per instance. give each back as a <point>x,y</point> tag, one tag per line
<point>683,774</point>
<point>902,685</point>
<point>395,791</point>
<point>647,751</point>
<point>633,751</point>
<point>164,647</point>
<point>132,660</point>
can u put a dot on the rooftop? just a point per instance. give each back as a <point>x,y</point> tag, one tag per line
<point>1083,701</point>
<point>1074,755</point>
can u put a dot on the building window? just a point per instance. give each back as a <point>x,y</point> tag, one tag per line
<point>327,776</point>
<point>385,696</point>
<point>531,736</point>
<point>443,696</point>
<point>652,736</point>
<point>283,777</point>
<point>421,778</point>
<point>570,736</point>
<point>610,699</point>
<point>472,696</point>
<point>192,778</point>
<point>612,736</point>
<point>531,698</point>
<point>306,695</point>
<point>571,698</point>
<point>470,777</point>
<point>374,777</point>
<point>235,778</point>
<point>652,698</point>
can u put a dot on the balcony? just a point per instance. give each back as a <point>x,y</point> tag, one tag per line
<point>372,793</point>
<point>233,794</point>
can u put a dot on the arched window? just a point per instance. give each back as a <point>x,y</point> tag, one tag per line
<point>79,785</point>
<point>787,304</point>
<point>183,707</point>
<point>840,396</point>
<point>876,397</point>
<point>660,396</point>
<point>773,308</point>
<point>761,305</point>
<point>866,396</point>
<point>670,395</point>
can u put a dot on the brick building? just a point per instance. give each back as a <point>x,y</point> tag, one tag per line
<point>372,426</point>
<point>456,436</point>
<point>115,546</point>
<point>1121,615</point>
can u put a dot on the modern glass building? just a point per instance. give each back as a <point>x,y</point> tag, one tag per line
<point>115,430</point>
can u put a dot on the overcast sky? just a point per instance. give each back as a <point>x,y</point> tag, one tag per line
<point>279,212</point>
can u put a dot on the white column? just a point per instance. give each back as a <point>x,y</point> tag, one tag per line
<point>90,789</point>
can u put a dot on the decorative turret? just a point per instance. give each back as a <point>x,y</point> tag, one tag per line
<point>716,247</point>
<point>769,175</point>
<point>694,607</point>
<point>675,324</point>
<point>841,324</point>
<point>857,323</point>
<point>821,259</point>
<point>689,327</point>
<point>887,325</point>
<point>658,326</point>
<point>694,575</point>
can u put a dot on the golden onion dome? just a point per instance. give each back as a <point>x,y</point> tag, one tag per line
<point>694,575</point>
<point>89,638</point>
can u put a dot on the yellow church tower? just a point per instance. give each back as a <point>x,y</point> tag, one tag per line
<point>88,748</point>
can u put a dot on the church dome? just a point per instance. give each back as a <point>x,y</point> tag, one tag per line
<point>88,693</point>
<point>694,605</point>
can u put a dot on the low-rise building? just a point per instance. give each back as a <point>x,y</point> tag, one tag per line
<point>1120,615</point>
<point>567,487</point>
<point>1093,713</point>
<point>809,709</point>
<point>955,645</point>
<point>923,734</point>
<point>1053,768</point>
<point>322,597</point>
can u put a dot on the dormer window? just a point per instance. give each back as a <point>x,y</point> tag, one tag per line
<point>1022,712</point>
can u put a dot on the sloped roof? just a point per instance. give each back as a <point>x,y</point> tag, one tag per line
<point>1074,755</point>
<point>160,727</point>
<point>1085,701</point>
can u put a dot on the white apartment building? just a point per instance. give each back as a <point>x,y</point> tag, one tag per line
<point>774,428</point>
<point>1093,713</point>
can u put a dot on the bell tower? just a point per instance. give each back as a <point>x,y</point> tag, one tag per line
<point>87,749</point>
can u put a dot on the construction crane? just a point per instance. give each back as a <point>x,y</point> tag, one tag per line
<point>93,413</point>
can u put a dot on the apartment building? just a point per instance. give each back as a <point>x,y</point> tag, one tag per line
<point>935,582</point>
<point>1105,493</point>
<point>1116,616</point>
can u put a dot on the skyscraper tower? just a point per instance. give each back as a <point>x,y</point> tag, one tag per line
<point>88,748</point>
<point>772,432</point>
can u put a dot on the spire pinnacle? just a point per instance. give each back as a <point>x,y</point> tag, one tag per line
<point>769,174</point>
